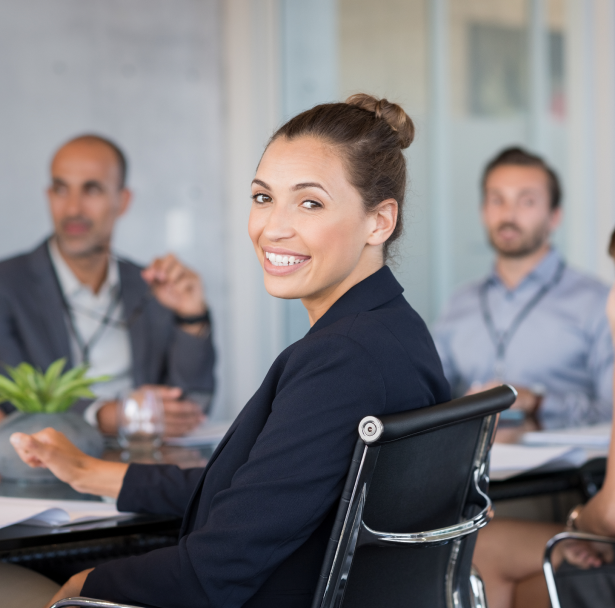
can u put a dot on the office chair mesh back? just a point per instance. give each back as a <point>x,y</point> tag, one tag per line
<point>414,500</point>
<point>419,483</point>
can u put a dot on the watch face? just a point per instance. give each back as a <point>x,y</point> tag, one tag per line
<point>572,517</point>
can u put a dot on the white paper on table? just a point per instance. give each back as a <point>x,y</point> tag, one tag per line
<point>597,436</point>
<point>204,434</point>
<point>509,460</point>
<point>54,513</point>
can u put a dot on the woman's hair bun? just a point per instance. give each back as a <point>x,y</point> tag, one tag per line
<point>395,116</point>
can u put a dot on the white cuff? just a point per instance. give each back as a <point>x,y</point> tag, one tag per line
<point>91,412</point>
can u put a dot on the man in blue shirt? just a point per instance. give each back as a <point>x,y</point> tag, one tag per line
<point>534,322</point>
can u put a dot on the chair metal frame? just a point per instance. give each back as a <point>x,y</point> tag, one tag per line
<point>86,602</point>
<point>547,562</point>
<point>356,533</point>
<point>352,531</point>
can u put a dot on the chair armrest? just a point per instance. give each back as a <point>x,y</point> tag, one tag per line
<point>87,602</point>
<point>431,537</point>
<point>547,564</point>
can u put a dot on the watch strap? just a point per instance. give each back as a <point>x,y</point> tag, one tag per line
<point>193,319</point>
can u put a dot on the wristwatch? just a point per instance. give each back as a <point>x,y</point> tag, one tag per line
<point>194,319</point>
<point>571,521</point>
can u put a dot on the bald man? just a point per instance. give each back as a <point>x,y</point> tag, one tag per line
<point>72,297</point>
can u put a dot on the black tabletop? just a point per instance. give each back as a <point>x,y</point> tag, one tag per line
<point>588,479</point>
<point>21,536</point>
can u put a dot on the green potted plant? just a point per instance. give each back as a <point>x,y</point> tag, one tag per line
<point>42,400</point>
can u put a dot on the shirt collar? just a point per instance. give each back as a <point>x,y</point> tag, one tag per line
<point>542,273</point>
<point>372,292</point>
<point>70,284</point>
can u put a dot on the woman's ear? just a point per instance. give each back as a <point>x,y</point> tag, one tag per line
<point>384,221</point>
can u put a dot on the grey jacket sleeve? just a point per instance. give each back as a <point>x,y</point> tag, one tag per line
<point>11,350</point>
<point>190,364</point>
<point>190,361</point>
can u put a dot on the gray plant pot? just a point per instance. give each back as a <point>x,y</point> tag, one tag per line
<point>76,429</point>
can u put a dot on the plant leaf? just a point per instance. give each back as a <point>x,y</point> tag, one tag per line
<point>31,390</point>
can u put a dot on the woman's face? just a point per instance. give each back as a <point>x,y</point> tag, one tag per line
<point>308,225</point>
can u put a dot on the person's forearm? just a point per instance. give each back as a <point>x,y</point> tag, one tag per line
<point>100,478</point>
<point>598,515</point>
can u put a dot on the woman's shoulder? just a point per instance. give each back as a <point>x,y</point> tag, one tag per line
<point>389,331</point>
<point>391,343</point>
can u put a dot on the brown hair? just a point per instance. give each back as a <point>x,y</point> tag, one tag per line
<point>523,158</point>
<point>370,133</point>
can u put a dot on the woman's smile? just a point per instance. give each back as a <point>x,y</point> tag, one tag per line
<point>280,262</point>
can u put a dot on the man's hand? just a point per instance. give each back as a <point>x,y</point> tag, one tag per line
<point>180,415</point>
<point>72,588</point>
<point>477,387</point>
<point>527,401</point>
<point>176,287</point>
<point>52,450</point>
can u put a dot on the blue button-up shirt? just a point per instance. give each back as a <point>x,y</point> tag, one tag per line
<point>562,348</point>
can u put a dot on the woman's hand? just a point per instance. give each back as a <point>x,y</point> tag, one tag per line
<point>72,588</point>
<point>584,554</point>
<point>52,450</point>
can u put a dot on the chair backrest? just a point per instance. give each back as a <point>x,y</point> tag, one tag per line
<point>412,505</point>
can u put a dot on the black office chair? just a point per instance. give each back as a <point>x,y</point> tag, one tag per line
<point>413,502</point>
<point>571,587</point>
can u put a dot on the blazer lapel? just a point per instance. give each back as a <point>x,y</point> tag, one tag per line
<point>50,320</point>
<point>134,299</point>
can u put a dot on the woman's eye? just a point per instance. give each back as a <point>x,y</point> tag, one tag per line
<point>261,198</point>
<point>310,204</point>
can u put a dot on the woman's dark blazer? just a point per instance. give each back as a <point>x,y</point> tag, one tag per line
<point>256,520</point>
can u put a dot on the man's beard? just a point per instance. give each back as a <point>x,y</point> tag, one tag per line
<point>528,244</point>
<point>95,246</point>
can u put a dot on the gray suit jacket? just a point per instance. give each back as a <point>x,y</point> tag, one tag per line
<point>33,326</point>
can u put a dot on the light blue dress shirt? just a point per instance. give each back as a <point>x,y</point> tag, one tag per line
<point>562,348</point>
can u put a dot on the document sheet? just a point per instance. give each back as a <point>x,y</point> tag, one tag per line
<point>509,460</point>
<point>54,513</point>
<point>596,437</point>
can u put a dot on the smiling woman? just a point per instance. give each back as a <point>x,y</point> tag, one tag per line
<point>327,200</point>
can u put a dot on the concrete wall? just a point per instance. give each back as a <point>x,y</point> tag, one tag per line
<point>147,73</point>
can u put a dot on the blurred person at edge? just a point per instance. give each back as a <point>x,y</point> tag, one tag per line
<point>509,552</point>
<point>534,322</point>
<point>72,297</point>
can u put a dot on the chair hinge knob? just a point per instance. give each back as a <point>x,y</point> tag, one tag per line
<point>370,429</point>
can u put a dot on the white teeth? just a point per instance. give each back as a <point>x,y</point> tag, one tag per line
<point>283,260</point>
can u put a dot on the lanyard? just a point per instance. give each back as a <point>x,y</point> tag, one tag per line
<point>501,340</point>
<point>106,320</point>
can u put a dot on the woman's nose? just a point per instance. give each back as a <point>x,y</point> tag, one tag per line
<point>279,224</point>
